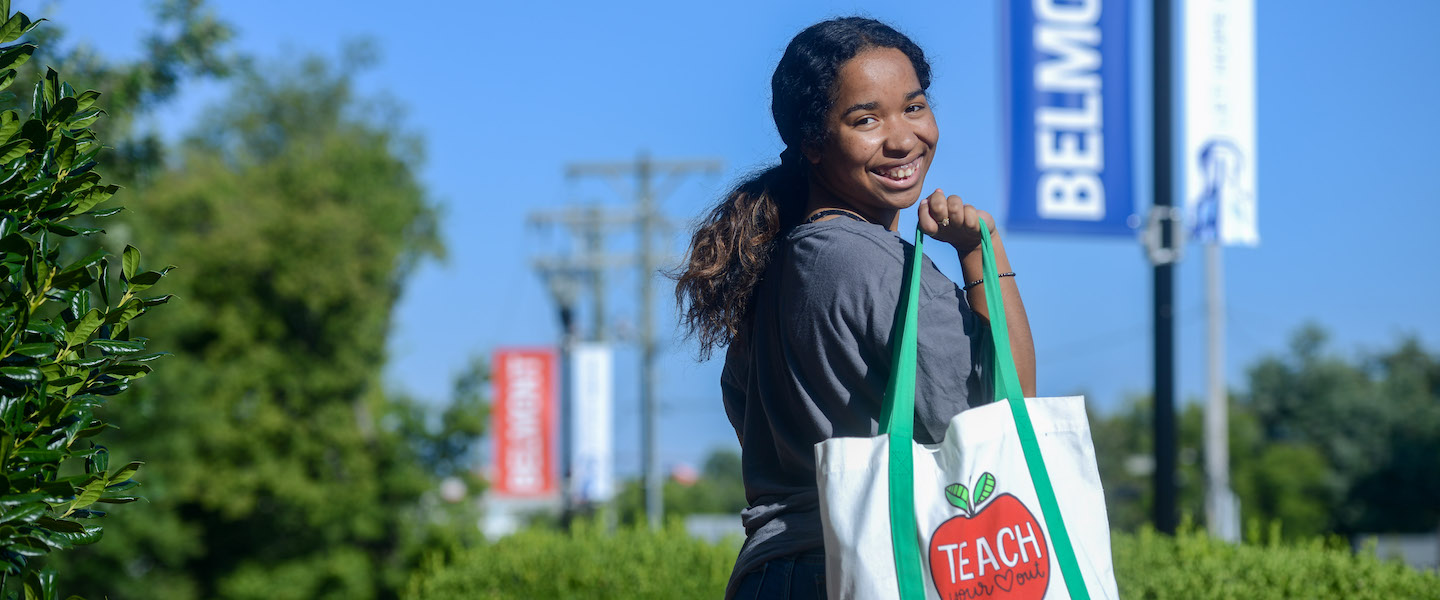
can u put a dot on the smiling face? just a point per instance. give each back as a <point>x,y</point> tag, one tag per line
<point>881,139</point>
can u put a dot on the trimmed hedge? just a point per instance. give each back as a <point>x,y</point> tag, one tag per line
<point>636,564</point>
<point>1194,566</point>
<point>632,563</point>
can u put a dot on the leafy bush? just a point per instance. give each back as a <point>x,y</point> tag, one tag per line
<point>634,563</point>
<point>65,348</point>
<point>1194,566</point>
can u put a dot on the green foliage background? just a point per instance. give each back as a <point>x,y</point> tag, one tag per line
<point>294,215</point>
<point>1319,443</point>
<point>293,227</point>
<point>280,466</point>
<point>638,564</point>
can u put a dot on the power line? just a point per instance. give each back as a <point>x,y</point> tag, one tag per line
<point>648,222</point>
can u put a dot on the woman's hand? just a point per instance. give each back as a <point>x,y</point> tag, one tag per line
<point>962,230</point>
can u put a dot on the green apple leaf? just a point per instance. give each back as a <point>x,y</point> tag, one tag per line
<point>984,487</point>
<point>958,496</point>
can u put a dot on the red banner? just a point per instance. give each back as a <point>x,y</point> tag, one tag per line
<point>524,423</point>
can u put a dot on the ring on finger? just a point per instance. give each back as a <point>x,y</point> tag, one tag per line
<point>944,222</point>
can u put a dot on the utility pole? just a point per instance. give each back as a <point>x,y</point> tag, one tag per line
<point>1221,507</point>
<point>565,276</point>
<point>1163,219</point>
<point>647,222</point>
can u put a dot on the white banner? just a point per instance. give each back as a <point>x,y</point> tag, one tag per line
<point>1220,178</point>
<point>592,477</point>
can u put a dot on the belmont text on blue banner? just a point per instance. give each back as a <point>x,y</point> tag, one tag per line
<point>1069,116</point>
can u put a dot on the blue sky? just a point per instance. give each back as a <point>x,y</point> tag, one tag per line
<point>505,96</point>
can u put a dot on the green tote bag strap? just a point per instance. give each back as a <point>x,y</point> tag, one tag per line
<point>1007,387</point>
<point>897,420</point>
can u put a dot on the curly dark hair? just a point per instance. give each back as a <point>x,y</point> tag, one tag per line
<point>733,244</point>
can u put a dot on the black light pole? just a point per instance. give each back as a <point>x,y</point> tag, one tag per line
<point>1165,513</point>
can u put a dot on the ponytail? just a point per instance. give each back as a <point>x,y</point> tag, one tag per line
<point>731,248</point>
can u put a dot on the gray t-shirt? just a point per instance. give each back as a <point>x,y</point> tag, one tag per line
<point>815,362</point>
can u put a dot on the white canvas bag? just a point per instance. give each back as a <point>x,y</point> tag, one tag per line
<point>1009,505</point>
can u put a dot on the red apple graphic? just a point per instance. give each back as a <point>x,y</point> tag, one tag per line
<point>994,551</point>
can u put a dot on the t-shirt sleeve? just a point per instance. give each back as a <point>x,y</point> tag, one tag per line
<point>843,296</point>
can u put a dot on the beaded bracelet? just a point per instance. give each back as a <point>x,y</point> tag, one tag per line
<point>980,281</point>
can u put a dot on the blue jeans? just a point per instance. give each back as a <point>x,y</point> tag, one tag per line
<point>795,577</point>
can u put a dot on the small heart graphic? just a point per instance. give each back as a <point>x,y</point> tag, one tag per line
<point>1003,581</point>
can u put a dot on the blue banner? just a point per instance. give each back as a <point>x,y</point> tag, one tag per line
<point>1068,117</point>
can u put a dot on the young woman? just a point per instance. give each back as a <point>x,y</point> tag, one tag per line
<point>798,272</point>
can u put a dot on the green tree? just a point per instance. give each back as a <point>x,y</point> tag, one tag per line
<point>1318,443</point>
<point>186,42</point>
<point>1373,423</point>
<point>294,215</point>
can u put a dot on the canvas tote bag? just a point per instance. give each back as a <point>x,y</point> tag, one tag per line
<point>1009,505</point>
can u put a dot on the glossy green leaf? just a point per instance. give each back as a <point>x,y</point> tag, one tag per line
<point>60,525</point>
<point>65,151</point>
<point>14,27</point>
<point>14,149</point>
<point>104,280</point>
<point>132,371</point>
<point>144,281</point>
<point>23,513</point>
<point>126,472</point>
<point>40,456</point>
<point>91,197</point>
<point>118,499</point>
<point>41,585</point>
<point>16,55</point>
<point>9,125</point>
<point>86,363</point>
<point>118,346</point>
<point>87,534</point>
<point>84,118</point>
<point>108,390</point>
<point>51,82</point>
<point>35,349</point>
<point>88,495</point>
<point>31,551</point>
<point>99,461</point>
<point>86,99</point>
<point>22,374</point>
<point>80,302</point>
<point>129,262</point>
<point>115,488</point>
<point>18,499</point>
<point>147,357</point>
<point>87,513</point>
<point>84,328</point>
<point>63,109</point>
<point>983,488</point>
<point>37,110</point>
<point>34,130</point>
<point>958,496</point>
